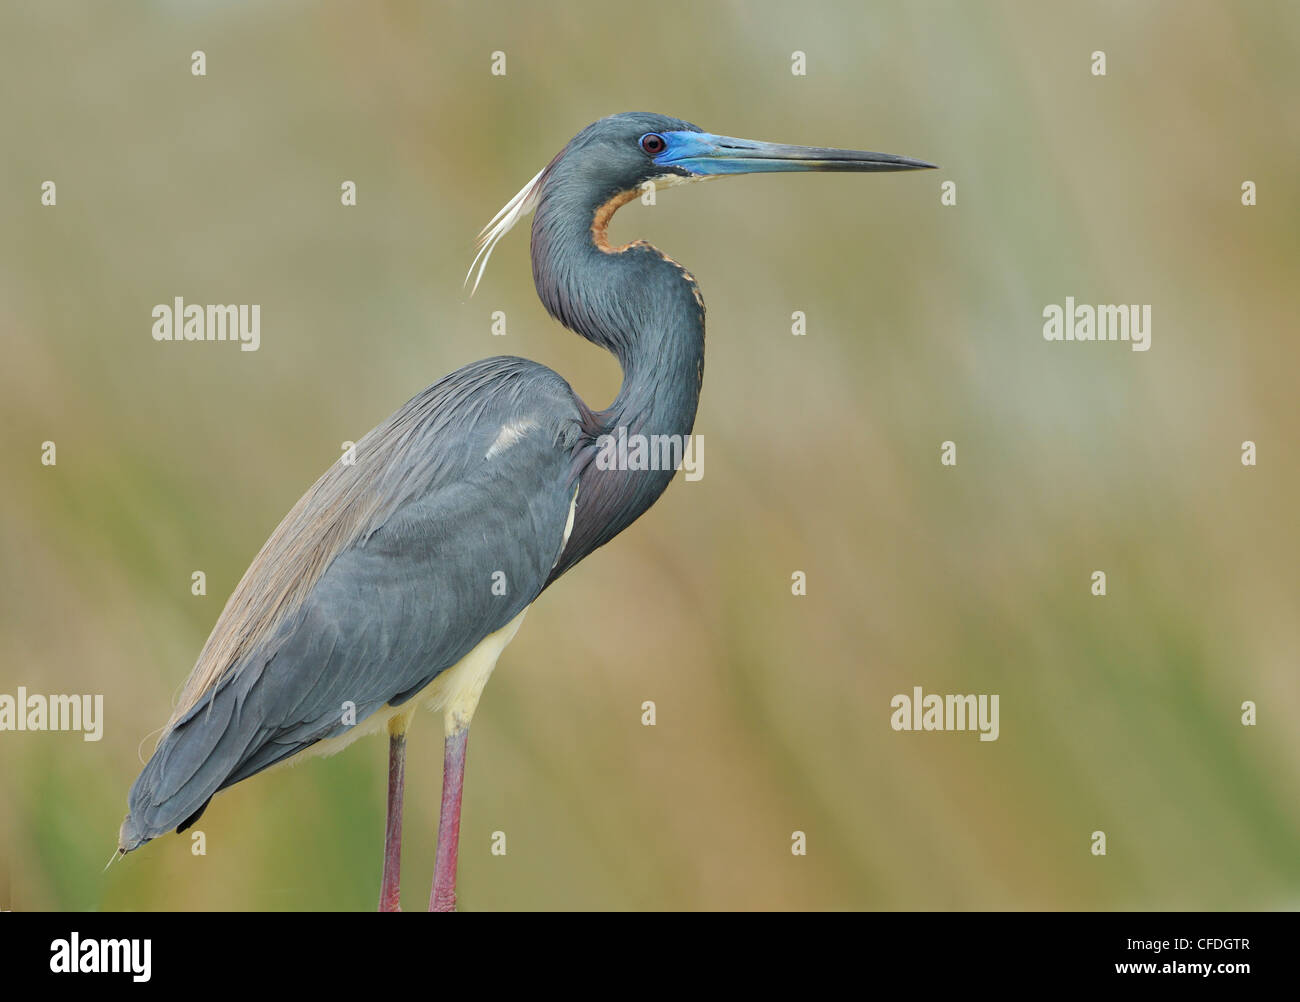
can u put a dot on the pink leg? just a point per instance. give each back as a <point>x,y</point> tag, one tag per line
<point>391,888</point>
<point>443,897</point>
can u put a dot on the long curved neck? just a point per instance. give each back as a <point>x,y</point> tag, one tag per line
<point>633,300</point>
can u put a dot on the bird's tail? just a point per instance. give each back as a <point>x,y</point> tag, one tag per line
<point>194,759</point>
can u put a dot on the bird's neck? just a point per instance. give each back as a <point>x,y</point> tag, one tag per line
<point>632,300</point>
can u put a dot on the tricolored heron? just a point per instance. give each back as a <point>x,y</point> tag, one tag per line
<point>398,579</point>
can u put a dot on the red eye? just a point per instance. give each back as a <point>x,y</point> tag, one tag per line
<point>653,143</point>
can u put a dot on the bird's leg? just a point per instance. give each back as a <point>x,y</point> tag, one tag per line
<point>391,888</point>
<point>443,897</point>
<point>464,687</point>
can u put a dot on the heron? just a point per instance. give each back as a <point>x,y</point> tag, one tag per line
<point>399,578</point>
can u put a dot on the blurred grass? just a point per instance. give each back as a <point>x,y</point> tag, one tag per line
<point>1120,714</point>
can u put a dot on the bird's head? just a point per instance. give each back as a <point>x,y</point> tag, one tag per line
<point>617,156</point>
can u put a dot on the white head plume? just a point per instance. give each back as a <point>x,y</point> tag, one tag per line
<point>502,223</point>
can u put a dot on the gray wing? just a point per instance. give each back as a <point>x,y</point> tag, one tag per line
<point>486,485</point>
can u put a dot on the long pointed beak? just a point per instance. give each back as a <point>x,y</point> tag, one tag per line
<point>707,155</point>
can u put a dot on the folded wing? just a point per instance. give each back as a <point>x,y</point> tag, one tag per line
<point>386,573</point>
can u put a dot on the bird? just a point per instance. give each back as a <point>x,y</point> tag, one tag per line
<point>399,578</point>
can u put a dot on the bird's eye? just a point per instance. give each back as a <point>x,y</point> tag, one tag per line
<point>653,143</point>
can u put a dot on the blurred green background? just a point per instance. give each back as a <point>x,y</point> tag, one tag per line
<point>1119,714</point>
